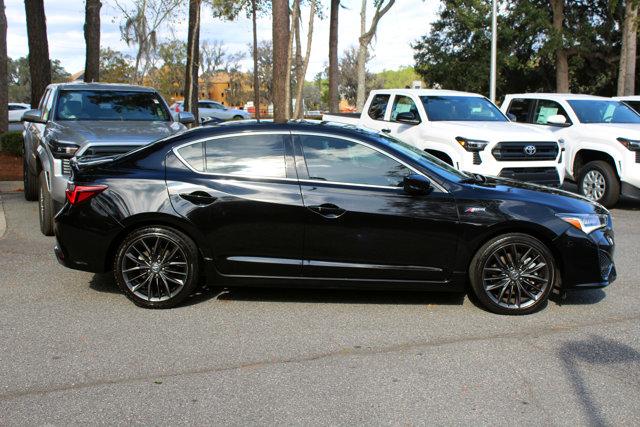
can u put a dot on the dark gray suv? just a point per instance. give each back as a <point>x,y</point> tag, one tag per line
<point>87,120</point>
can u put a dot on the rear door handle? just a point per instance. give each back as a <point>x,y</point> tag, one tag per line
<point>200,198</point>
<point>328,210</point>
<point>386,130</point>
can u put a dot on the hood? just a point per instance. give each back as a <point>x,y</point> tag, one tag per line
<point>612,130</point>
<point>491,131</point>
<point>83,132</point>
<point>560,201</point>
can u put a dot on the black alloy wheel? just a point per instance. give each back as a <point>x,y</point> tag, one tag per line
<point>157,267</point>
<point>513,274</point>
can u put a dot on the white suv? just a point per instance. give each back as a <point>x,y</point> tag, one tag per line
<point>601,138</point>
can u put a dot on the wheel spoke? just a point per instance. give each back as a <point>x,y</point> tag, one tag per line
<point>139,267</point>
<point>141,284</point>
<point>136,260</point>
<point>496,286</point>
<point>166,285</point>
<point>171,279</point>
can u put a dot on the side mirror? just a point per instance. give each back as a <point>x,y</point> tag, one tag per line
<point>33,116</point>
<point>408,117</point>
<point>557,120</point>
<point>186,118</point>
<point>416,184</point>
<point>512,117</point>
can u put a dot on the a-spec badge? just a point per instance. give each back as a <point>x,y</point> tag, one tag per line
<point>475,210</point>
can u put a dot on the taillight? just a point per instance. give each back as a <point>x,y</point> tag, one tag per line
<point>77,194</point>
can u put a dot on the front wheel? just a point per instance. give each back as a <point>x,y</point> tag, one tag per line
<point>157,267</point>
<point>597,181</point>
<point>513,274</point>
<point>29,180</point>
<point>45,206</point>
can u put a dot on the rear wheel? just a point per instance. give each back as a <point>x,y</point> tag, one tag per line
<point>157,267</point>
<point>598,182</point>
<point>45,206</point>
<point>29,180</point>
<point>513,274</point>
<point>238,117</point>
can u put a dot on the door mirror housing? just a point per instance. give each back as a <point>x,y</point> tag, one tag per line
<point>186,118</point>
<point>33,116</point>
<point>512,117</point>
<point>417,185</point>
<point>558,120</point>
<point>408,117</point>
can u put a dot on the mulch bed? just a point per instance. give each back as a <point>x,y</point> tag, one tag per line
<point>10,167</point>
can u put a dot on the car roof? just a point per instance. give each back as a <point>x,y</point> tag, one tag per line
<point>557,96</point>
<point>427,92</point>
<point>627,98</point>
<point>103,86</point>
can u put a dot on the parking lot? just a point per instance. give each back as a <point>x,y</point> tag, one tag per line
<point>74,350</point>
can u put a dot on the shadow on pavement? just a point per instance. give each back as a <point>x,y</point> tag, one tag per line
<point>594,352</point>
<point>580,297</point>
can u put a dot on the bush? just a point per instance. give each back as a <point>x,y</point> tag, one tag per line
<point>11,142</point>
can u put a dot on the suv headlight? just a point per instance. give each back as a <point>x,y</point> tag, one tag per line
<point>630,144</point>
<point>585,222</point>
<point>472,144</point>
<point>62,149</point>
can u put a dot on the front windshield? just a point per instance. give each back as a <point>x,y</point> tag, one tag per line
<point>110,105</point>
<point>444,169</point>
<point>461,108</point>
<point>603,111</point>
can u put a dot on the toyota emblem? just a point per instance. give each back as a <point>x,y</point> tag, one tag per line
<point>530,150</point>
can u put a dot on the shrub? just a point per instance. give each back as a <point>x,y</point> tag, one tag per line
<point>11,142</point>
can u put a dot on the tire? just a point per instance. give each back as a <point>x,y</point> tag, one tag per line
<point>45,206</point>
<point>598,181</point>
<point>157,267</point>
<point>513,274</point>
<point>29,180</point>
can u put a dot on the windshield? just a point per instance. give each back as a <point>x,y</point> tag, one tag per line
<point>461,108</point>
<point>110,105</point>
<point>603,111</point>
<point>443,169</point>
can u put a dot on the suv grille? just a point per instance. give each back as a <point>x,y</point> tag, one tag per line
<point>605,264</point>
<point>523,151</point>
<point>107,150</point>
<point>66,167</point>
<point>637,156</point>
<point>542,176</point>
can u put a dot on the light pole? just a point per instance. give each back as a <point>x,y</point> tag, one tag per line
<point>494,50</point>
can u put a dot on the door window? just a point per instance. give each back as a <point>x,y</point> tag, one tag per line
<point>339,160</point>
<point>404,104</point>
<point>546,109</point>
<point>521,108</point>
<point>378,106</point>
<point>245,155</point>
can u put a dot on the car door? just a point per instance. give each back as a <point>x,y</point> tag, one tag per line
<point>241,192</point>
<point>35,131</point>
<point>374,117</point>
<point>545,108</point>
<point>404,130</point>
<point>360,222</point>
<point>221,111</point>
<point>205,110</point>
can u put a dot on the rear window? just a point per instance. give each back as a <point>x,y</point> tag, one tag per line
<point>110,105</point>
<point>378,107</point>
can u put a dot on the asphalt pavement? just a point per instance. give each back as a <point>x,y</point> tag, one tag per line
<point>73,350</point>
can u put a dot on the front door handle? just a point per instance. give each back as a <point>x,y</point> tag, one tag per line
<point>200,198</point>
<point>328,210</point>
<point>386,130</point>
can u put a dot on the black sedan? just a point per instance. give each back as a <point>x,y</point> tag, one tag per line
<point>323,205</point>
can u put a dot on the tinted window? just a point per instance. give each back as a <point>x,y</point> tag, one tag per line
<point>545,109</point>
<point>461,108</point>
<point>603,111</point>
<point>338,160</point>
<point>634,104</point>
<point>521,108</point>
<point>110,105</point>
<point>16,107</point>
<point>247,155</point>
<point>378,106</point>
<point>404,104</point>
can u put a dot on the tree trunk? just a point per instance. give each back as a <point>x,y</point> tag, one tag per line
<point>280,36</point>
<point>92,40</point>
<point>287,76</point>
<point>193,60</point>
<point>334,100</point>
<point>627,68</point>
<point>256,78</point>
<point>299,113</point>
<point>4,89</point>
<point>39,63</point>
<point>562,61</point>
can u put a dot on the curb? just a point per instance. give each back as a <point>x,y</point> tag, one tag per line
<point>7,187</point>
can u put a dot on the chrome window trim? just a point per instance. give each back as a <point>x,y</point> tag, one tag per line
<point>309,181</point>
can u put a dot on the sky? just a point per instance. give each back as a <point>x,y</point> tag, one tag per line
<point>404,23</point>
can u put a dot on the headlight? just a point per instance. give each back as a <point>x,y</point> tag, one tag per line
<point>630,144</point>
<point>472,144</point>
<point>62,149</point>
<point>586,222</point>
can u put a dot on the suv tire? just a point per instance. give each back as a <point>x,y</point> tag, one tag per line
<point>598,182</point>
<point>45,207</point>
<point>29,181</point>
